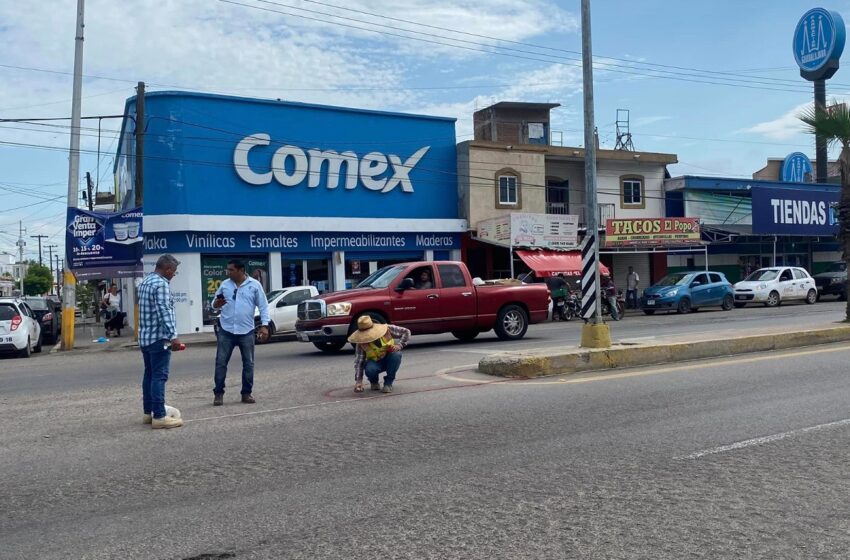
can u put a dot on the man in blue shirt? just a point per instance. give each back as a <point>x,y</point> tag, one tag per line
<point>238,297</point>
<point>157,338</point>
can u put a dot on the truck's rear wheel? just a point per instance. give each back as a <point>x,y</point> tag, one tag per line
<point>329,347</point>
<point>465,336</point>
<point>511,323</point>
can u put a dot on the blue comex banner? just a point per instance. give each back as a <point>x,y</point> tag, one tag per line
<point>104,245</point>
<point>297,242</point>
<point>210,155</point>
<point>795,211</point>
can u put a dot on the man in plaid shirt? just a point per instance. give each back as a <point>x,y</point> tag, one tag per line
<point>157,338</point>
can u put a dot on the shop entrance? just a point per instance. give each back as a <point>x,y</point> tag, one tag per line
<point>307,272</point>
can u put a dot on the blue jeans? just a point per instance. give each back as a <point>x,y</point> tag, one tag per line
<point>157,358</point>
<point>390,364</point>
<point>226,343</point>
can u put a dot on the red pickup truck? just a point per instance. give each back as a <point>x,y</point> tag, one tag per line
<point>427,298</point>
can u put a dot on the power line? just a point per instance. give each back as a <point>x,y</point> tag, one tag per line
<point>633,63</point>
<point>557,59</point>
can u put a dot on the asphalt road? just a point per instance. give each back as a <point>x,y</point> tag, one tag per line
<point>731,458</point>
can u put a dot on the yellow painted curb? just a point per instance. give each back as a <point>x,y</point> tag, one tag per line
<point>558,362</point>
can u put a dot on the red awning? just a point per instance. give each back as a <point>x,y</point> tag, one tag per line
<point>552,263</point>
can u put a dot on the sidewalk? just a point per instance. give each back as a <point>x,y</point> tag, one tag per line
<point>651,350</point>
<point>87,333</point>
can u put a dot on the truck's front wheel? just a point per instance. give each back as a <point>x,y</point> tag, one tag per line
<point>329,347</point>
<point>511,323</point>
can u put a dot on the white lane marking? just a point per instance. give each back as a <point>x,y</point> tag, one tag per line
<point>284,409</point>
<point>764,439</point>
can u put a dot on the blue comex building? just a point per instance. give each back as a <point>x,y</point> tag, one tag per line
<point>304,194</point>
<point>751,224</point>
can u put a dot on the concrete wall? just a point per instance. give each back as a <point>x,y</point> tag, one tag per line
<point>478,196</point>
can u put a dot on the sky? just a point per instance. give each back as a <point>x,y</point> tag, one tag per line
<point>713,82</point>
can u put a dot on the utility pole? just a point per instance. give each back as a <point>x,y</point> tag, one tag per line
<point>52,274</point>
<point>594,333</point>
<point>21,244</point>
<point>89,190</point>
<point>39,237</point>
<point>139,189</point>
<point>69,290</point>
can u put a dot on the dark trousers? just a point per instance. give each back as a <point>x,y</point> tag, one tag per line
<point>157,358</point>
<point>390,364</point>
<point>631,299</point>
<point>226,343</point>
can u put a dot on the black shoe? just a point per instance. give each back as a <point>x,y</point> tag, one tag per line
<point>248,399</point>
<point>219,399</point>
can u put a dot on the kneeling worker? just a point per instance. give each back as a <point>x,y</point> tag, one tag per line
<point>378,348</point>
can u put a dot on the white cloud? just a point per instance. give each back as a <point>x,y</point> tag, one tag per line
<point>783,127</point>
<point>646,121</point>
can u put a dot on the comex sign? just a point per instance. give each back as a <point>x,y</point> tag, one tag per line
<point>291,166</point>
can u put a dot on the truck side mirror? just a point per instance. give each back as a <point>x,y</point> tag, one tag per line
<point>405,284</point>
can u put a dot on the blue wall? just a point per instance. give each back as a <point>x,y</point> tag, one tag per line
<point>191,138</point>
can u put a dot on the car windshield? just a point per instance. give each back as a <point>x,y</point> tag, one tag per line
<point>7,311</point>
<point>837,267</point>
<point>37,303</point>
<point>679,279</point>
<point>763,275</point>
<point>273,294</point>
<point>382,278</point>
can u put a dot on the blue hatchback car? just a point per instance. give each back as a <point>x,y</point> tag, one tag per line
<point>687,291</point>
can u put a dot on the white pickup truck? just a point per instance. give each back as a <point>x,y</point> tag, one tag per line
<point>283,308</point>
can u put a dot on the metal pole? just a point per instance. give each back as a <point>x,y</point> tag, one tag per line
<point>139,187</point>
<point>821,173</point>
<point>774,250</point>
<point>39,237</point>
<point>590,148</point>
<point>511,258</point>
<point>69,290</point>
<point>52,274</point>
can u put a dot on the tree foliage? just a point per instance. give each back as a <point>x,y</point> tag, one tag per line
<point>38,280</point>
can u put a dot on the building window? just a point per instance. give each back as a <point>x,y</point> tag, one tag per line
<point>631,191</point>
<point>508,189</point>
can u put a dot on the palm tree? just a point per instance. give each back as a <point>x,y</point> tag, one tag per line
<point>834,126</point>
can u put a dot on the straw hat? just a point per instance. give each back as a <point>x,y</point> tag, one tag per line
<point>367,331</point>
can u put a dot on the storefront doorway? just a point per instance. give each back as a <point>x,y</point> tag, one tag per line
<point>307,272</point>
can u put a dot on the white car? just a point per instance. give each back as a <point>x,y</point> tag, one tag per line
<point>775,285</point>
<point>19,329</point>
<point>283,308</point>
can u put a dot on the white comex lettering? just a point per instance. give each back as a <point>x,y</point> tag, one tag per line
<point>240,160</point>
<point>369,170</point>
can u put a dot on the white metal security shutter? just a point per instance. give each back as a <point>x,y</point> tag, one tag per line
<point>640,262</point>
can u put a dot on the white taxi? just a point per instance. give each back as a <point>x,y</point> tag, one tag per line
<point>19,329</point>
<point>775,285</point>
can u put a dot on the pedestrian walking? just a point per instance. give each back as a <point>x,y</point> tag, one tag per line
<point>157,339</point>
<point>632,283</point>
<point>609,292</point>
<point>112,315</point>
<point>377,349</point>
<point>237,298</point>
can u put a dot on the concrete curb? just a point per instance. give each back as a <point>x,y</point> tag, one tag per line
<point>556,362</point>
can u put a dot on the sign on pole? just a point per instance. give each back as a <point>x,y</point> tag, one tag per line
<point>104,245</point>
<point>818,43</point>
<point>797,168</point>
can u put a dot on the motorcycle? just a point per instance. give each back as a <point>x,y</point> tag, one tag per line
<point>565,305</point>
<point>620,303</point>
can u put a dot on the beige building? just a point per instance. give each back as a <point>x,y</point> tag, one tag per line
<point>511,166</point>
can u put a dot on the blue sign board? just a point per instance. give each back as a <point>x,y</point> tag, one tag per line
<point>795,168</point>
<point>795,211</point>
<point>212,155</point>
<point>104,245</point>
<point>818,43</point>
<point>298,243</point>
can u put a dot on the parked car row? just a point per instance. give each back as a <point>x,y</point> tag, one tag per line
<point>688,291</point>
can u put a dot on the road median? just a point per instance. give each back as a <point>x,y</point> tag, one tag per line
<point>623,354</point>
